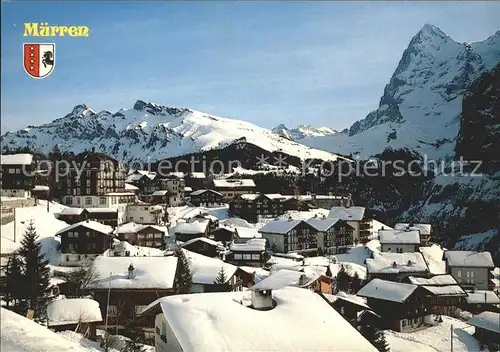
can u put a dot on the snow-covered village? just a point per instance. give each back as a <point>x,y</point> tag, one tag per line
<point>374,225</point>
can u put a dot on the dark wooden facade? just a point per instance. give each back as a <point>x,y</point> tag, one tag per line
<point>84,240</point>
<point>251,209</point>
<point>17,176</point>
<point>102,215</point>
<point>206,197</point>
<point>145,236</point>
<point>203,247</point>
<point>223,235</point>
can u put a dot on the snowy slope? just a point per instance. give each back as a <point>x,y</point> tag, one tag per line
<point>303,131</point>
<point>421,104</point>
<point>150,132</point>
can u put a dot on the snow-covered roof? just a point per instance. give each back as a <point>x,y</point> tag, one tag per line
<point>16,159</point>
<point>425,229</point>
<point>101,210</point>
<point>73,311</point>
<point>486,320</point>
<point>355,299</point>
<point>399,237</point>
<point>150,272</point>
<point>205,269</point>
<point>202,239</point>
<point>41,188</point>
<point>177,174</point>
<point>482,297</point>
<point>20,334</point>
<point>322,224</point>
<point>387,290</point>
<point>433,255</point>
<point>347,213</point>
<point>188,189</point>
<point>449,290</point>
<point>91,225</point>
<point>129,187</point>
<point>383,263</point>
<point>201,191</point>
<point>438,280</point>
<point>197,175</point>
<point>138,174</point>
<point>233,183</point>
<point>206,322</point>
<point>252,244</point>
<point>71,211</point>
<point>279,226</point>
<point>159,193</point>
<point>277,280</point>
<point>120,248</point>
<point>192,227</point>
<point>270,196</point>
<point>132,227</point>
<point>469,259</point>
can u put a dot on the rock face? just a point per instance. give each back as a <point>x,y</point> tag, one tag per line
<point>149,132</point>
<point>303,131</point>
<point>421,105</point>
<point>479,137</point>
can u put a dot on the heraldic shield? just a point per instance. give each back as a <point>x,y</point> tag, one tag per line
<point>39,59</point>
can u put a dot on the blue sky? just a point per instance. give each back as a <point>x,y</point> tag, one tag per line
<point>322,63</point>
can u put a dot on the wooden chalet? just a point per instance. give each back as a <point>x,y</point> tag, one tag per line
<point>290,236</point>
<point>249,252</point>
<point>206,198</point>
<point>425,231</point>
<point>186,230</point>
<point>487,329</point>
<point>396,266</point>
<point>251,206</point>
<point>17,175</point>
<point>106,216</point>
<point>144,235</point>
<point>204,246</point>
<point>333,236</point>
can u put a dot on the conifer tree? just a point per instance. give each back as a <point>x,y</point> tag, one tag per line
<point>132,345</point>
<point>380,342</point>
<point>221,277</point>
<point>13,281</point>
<point>183,277</point>
<point>35,280</point>
<point>343,279</point>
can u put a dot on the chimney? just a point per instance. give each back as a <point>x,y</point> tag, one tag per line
<point>93,149</point>
<point>394,265</point>
<point>262,300</point>
<point>409,263</point>
<point>131,271</point>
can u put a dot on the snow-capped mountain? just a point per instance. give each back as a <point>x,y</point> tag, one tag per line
<point>303,131</point>
<point>421,104</point>
<point>150,132</point>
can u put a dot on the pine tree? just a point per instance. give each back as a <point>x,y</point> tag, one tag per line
<point>221,278</point>
<point>343,279</point>
<point>35,280</point>
<point>183,277</point>
<point>380,342</point>
<point>132,345</point>
<point>13,281</point>
<point>356,283</point>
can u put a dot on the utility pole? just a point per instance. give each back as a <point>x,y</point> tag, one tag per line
<point>14,224</point>
<point>451,337</point>
<point>106,339</point>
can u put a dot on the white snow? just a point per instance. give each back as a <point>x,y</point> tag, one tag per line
<point>206,322</point>
<point>205,269</point>
<point>354,213</point>
<point>279,226</point>
<point>252,244</point>
<point>234,183</point>
<point>399,237</point>
<point>16,159</point>
<point>469,259</point>
<point>482,297</point>
<point>322,224</point>
<point>433,255</point>
<point>405,263</point>
<point>438,280</point>
<point>89,224</point>
<point>487,320</point>
<point>203,239</point>
<point>387,290</point>
<point>192,227</point>
<point>425,229</point>
<point>150,272</point>
<point>73,311</point>
<point>122,247</point>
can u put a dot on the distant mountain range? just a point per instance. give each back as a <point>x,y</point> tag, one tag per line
<point>303,131</point>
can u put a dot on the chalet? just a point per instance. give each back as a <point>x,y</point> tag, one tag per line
<point>132,189</point>
<point>197,180</point>
<point>203,246</point>
<point>175,186</point>
<point>250,252</point>
<point>81,315</point>
<point>142,235</point>
<point>93,180</point>
<point>332,235</point>
<point>325,201</point>
<point>106,216</point>
<point>444,294</point>
<point>396,266</point>
<point>146,213</point>
<point>470,269</point>
<point>187,191</point>
<point>144,180</point>
<point>265,310</point>
<point>187,230</point>
<point>290,236</point>
<point>425,231</point>
<point>349,306</point>
<point>294,203</point>
<point>224,234</point>
<point>354,217</point>
<point>206,273</point>
<point>478,301</point>
<point>487,329</point>
<point>159,197</point>
<point>399,241</point>
<point>206,198</point>
<point>251,206</point>
<point>230,188</point>
<point>83,241</point>
<point>213,221</point>
<point>401,306</point>
<point>129,284</point>
<point>17,177</point>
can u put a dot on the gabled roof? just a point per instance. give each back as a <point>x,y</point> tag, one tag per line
<point>16,159</point>
<point>101,210</point>
<point>438,280</point>
<point>202,239</point>
<point>482,297</point>
<point>132,227</point>
<point>201,191</point>
<point>197,175</point>
<point>224,321</point>
<point>399,237</point>
<point>91,225</point>
<point>191,227</point>
<point>322,224</point>
<point>71,211</point>
<point>280,226</point>
<point>347,213</point>
<point>394,263</point>
<point>129,187</point>
<point>205,270</point>
<point>486,320</point>
<point>469,259</point>
<point>425,229</point>
<point>252,244</point>
<point>387,290</point>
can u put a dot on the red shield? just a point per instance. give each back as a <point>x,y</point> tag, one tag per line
<point>39,59</point>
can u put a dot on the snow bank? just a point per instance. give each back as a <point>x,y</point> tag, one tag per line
<point>73,311</point>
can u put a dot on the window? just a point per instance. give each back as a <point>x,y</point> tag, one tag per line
<point>18,171</point>
<point>139,309</point>
<point>88,192</point>
<point>459,273</point>
<point>163,331</point>
<point>88,200</point>
<point>102,200</point>
<point>112,311</point>
<point>12,171</point>
<point>247,256</point>
<point>88,182</point>
<point>238,256</point>
<point>255,256</point>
